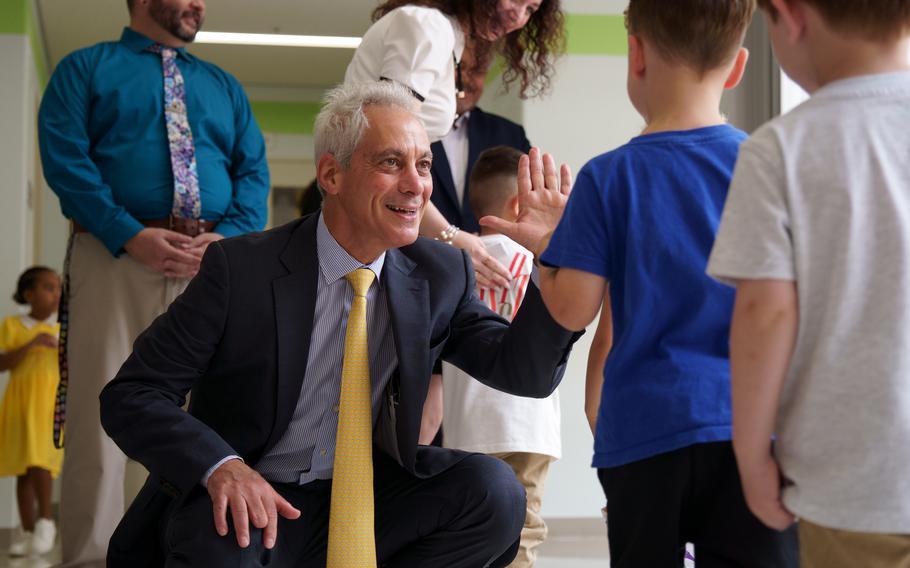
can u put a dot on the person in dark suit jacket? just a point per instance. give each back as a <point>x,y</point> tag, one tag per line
<point>245,476</point>
<point>473,132</point>
<point>483,131</point>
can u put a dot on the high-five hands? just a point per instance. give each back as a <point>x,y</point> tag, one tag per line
<point>542,197</point>
<point>251,499</point>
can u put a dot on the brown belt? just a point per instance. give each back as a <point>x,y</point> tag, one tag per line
<point>190,227</point>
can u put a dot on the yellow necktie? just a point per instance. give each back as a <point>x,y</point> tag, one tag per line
<point>352,543</point>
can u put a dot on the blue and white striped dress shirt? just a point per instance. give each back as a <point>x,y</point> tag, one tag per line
<point>306,451</point>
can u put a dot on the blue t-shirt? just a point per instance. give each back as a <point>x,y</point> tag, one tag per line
<point>644,217</point>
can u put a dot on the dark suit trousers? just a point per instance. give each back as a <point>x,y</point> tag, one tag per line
<point>467,516</point>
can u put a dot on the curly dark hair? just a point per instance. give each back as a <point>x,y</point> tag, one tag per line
<point>529,53</point>
<point>27,281</point>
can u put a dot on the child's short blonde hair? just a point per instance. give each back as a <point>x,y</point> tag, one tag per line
<point>703,34</point>
<point>869,19</point>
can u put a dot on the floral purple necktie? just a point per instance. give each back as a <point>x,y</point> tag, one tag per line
<point>180,138</point>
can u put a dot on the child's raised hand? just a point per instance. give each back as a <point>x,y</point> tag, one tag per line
<point>542,195</point>
<point>44,340</point>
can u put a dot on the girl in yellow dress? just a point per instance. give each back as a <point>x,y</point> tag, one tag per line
<point>28,348</point>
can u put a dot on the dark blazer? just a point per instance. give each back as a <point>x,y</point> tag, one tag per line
<point>484,131</point>
<point>239,336</point>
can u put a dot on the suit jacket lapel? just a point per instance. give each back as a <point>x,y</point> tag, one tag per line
<point>295,305</point>
<point>409,309</point>
<point>444,175</point>
<point>476,142</point>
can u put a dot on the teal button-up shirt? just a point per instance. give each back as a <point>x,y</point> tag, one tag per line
<point>104,145</point>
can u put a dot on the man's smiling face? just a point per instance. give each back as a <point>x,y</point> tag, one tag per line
<point>381,196</point>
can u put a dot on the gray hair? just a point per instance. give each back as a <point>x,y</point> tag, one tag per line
<point>341,122</point>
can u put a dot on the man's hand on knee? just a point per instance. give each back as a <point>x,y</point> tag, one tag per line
<point>251,499</point>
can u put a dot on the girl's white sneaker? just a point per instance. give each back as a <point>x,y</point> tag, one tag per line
<point>43,537</point>
<point>21,543</point>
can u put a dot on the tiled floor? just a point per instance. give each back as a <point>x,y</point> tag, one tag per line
<point>574,551</point>
<point>559,551</point>
<point>45,561</point>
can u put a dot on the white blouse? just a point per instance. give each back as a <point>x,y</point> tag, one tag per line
<point>417,47</point>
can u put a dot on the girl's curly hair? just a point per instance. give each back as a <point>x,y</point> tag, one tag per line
<point>27,281</point>
<point>529,53</point>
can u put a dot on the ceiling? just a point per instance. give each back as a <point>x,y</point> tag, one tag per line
<point>71,24</point>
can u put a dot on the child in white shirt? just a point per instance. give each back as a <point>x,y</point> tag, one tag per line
<point>524,432</point>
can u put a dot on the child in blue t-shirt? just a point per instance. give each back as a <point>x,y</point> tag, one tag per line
<point>642,219</point>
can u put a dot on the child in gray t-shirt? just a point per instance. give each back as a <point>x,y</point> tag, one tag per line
<point>816,237</point>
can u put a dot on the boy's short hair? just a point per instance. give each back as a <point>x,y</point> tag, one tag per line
<point>489,190</point>
<point>869,19</point>
<point>703,34</point>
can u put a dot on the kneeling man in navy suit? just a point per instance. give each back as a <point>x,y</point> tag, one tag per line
<point>308,351</point>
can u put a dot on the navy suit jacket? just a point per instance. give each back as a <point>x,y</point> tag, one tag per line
<point>484,131</point>
<point>239,338</point>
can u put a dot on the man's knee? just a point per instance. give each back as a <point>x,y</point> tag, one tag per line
<point>190,538</point>
<point>496,493</point>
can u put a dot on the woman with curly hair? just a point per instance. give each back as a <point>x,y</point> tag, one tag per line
<point>419,44</point>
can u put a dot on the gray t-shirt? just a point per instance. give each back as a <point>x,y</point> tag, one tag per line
<point>822,196</point>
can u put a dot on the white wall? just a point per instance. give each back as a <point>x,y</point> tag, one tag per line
<point>17,195</point>
<point>53,228</point>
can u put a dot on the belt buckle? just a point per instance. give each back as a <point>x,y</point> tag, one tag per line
<point>189,227</point>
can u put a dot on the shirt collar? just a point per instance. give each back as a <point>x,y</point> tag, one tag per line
<point>335,262</point>
<point>137,42</point>
<point>30,322</point>
<point>461,121</point>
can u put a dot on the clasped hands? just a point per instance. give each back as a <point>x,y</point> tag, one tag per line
<point>171,253</point>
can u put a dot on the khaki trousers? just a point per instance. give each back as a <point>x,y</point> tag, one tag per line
<point>821,547</point>
<point>112,300</point>
<point>531,471</point>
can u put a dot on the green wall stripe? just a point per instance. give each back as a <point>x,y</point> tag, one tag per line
<point>35,39</point>
<point>286,117</point>
<point>586,34</point>
<point>596,34</point>
<point>12,16</point>
<point>16,17</point>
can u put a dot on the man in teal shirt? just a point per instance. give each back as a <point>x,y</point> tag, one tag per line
<point>154,154</point>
